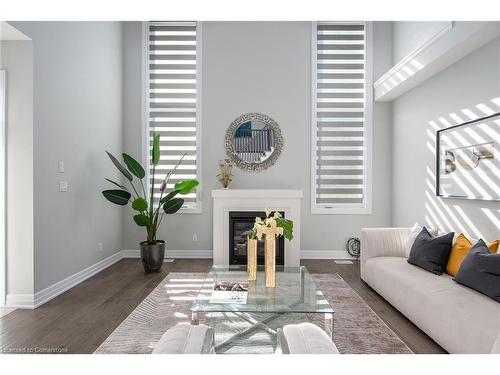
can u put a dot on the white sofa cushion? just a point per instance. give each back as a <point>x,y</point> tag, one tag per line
<point>186,339</point>
<point>306,338</point>
<point>458,318</point>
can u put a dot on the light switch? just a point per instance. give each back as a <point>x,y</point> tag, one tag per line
<point>63,186</point>
<point>61,167</point>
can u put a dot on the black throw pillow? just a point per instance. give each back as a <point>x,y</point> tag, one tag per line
<point>431,253</point>
<point>480,270</point>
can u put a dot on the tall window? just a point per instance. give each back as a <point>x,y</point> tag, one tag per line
<point>173,101</point>
<point>341,118</point>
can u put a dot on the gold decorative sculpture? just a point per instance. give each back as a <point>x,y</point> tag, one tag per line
<point>270,260</point>
<point>252,259</point>
<point>269,229</point>
<point>225,167</point>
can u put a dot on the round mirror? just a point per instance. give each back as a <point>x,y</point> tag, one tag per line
<point>254,142</point>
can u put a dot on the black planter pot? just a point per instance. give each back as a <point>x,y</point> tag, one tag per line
<point>152,255</point>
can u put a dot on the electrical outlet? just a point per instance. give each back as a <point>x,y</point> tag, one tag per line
<point>100,246</point>
<point>63,186</point>
<point>61,167</point>
<point>195,237</point>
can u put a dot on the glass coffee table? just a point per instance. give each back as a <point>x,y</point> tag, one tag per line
<point>295,292</point>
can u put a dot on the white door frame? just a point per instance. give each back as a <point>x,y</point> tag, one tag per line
<point>3,201</point>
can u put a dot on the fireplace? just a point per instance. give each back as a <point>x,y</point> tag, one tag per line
<point>240,226</point>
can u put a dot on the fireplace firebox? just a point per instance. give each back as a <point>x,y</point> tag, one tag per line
<point>240,226</point>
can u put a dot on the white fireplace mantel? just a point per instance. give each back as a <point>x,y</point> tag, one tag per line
<point>228,200</point>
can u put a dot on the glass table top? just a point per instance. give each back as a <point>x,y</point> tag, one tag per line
<point>295,292</point>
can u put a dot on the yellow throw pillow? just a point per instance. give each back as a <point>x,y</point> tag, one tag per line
<point>460,249</point>
<point>493,246</point>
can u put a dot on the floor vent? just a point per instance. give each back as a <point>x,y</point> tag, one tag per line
<point>343,261</point>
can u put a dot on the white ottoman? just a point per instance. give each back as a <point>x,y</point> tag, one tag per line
<point>305,338</point>
<point>186,339</point>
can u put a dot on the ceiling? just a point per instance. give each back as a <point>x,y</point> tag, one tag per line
<point>9,32</point>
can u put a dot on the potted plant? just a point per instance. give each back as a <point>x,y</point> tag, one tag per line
<point>149,213</point>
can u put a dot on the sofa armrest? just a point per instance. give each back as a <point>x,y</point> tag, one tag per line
<point>496,346</point>
<point>379,242</point>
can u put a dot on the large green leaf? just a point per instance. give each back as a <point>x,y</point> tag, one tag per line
<point>120,167</point>
<point>156,149</point>
<point>186,186</point>
<point>116,183</point>
<point>134,166</point>
<point>120,197</point>
<point>141,220</point>
<point>169,196</point>
<point>173,205</point>
<point>287,226</point>
<point>140,204</point>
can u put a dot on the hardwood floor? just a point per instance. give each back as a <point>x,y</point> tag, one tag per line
<point>79,320</point>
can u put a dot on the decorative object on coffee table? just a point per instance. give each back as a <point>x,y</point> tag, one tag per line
<point>270,228</point>
<point>148,213</point>
<point>225,167</point>
<point>252,259</point>
<point>270,255</point>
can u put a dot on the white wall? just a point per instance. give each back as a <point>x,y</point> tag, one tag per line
<point>17,60</point>
<point>77,115</point>
<point>262,67</point>
<point>410,35</point>
<point>463,86</point>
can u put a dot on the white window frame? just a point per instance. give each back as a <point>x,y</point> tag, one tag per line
<point>145,110</point>
<point>3,177</point>
<point>347,209</point>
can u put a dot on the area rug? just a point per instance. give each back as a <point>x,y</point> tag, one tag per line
<point>358,329</point>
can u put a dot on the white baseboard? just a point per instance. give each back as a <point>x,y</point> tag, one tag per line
<point>30,301</point>
<point>178,254</point>
<point>324,254</point>
<point>20,301</point>
<point>208,254</point>
<point>60,287</point>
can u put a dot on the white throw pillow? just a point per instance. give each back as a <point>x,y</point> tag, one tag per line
<point>415,230</point>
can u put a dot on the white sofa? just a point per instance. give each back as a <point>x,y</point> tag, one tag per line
<point>458,318</point>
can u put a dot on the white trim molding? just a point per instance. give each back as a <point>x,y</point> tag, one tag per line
<point>30,301</point>
<point>444,48</point>
<point>325,254</point>
<point>20,301</point>
<point>177,254</point>
<point>60,287</point>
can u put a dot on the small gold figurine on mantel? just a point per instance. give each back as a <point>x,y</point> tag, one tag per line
<point>225,167</point>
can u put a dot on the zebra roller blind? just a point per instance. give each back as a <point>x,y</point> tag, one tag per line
<point>173,106</point>
<point>339,114</point>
